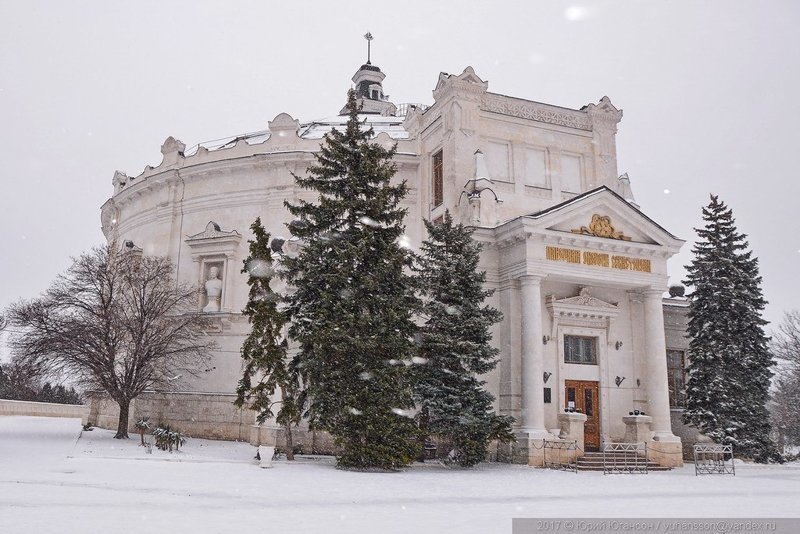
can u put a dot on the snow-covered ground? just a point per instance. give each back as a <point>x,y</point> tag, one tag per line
<point>55,479</point>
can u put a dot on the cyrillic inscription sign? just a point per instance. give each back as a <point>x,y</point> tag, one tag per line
<point>597,259</point>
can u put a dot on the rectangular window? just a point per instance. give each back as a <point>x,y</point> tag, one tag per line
<point>580,349</point>
<point>676,378</point>
<point>438,179</point>
<point>535,167</point>
<point>571,174</point>
<point>497,155</point>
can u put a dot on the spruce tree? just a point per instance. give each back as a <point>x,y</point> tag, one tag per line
<point>455,346</point>
<point>266,368</point>
<point>729,359</point>
<point>352,302</point>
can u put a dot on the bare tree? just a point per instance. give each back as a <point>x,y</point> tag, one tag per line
<point>19,381</point>
<point>116,321</point>
<point>786,343</point>
<point>786,397</point>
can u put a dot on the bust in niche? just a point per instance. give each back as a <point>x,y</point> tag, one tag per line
<point>213,290</point>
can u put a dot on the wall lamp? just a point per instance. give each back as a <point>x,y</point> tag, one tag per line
<point>545,339</point>
<point>618,345</point>
<point>619,380</point>
<point>546,376</point>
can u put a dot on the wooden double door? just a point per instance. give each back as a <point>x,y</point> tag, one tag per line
<point>583,395</point>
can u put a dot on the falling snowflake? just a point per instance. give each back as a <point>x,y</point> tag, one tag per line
<point>369,222</point>
<point>259,268</point>
<point>576,13</point>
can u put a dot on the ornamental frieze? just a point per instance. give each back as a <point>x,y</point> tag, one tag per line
<point>598,259</point>
<point>536,112</point>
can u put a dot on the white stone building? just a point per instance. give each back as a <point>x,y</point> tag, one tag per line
<point>578,271</point>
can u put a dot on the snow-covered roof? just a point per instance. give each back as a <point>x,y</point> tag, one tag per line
<point>391,125</point>
<point>316,129</point>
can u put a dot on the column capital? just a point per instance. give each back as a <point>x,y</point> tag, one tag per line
<point>653,292</point>
<point>635,295</point>
<point>530,279</point>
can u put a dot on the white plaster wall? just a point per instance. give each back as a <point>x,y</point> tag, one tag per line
<point>158,209</point>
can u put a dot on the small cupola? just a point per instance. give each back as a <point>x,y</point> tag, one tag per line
<point>368,81</point>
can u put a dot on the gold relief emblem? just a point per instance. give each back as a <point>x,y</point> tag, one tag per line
<point>601,227</point>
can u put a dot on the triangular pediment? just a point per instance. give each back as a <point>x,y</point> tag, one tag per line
<point>601,216</point>
<point>584,298</point>
<point>582,307</point>
<point>213,232</point>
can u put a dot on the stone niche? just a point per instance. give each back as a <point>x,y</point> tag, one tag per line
<point>214,252</point>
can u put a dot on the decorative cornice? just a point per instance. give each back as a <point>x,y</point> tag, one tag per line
<point>535,111</point>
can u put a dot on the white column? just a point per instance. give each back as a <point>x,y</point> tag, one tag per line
<point>532,355</point>
<point>226,299</point>
<point>656,358</point>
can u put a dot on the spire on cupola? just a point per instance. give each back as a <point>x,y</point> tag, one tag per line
<point>368,81</point>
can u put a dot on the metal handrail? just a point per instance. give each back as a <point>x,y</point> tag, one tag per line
<point>557,461</point>
<point>628,458</point>
<point>711,459</point>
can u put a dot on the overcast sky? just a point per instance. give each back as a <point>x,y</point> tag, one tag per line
<point>710,91</point>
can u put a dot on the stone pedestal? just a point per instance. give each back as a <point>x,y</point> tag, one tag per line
<point>529,448</point>
<point>572,425</point>
<point>637,428</point>
<point>666,452</point>
<point>265,453</point>
<point>264,435</point>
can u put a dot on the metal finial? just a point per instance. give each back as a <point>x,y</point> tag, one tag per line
<point>368,37</point>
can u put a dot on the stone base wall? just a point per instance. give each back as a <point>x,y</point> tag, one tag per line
<point>102,412</point>
<point>213,416</point>
<point>689,435</point>
<point>198,415</point>
<point>42,409</point>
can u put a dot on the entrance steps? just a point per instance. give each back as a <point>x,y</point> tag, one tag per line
<point>621,461</point>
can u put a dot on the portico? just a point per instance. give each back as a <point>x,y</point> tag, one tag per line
<point>585,279</point>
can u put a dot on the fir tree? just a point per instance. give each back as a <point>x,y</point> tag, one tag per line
<point>729,359</point>
<point>455,345</point>
<point>264,349</point>
<point>352,302</point>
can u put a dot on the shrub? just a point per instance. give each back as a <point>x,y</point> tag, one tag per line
<point>167,438</point>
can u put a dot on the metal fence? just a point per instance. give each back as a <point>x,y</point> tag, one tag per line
<point>626,458</point>
<point>713,459</point>
<point>561,454</point>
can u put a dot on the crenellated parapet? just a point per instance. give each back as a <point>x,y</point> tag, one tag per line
<point>604,117</point>
<point>286,140</point>
<point>466,83</point>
